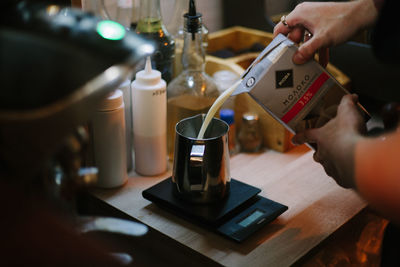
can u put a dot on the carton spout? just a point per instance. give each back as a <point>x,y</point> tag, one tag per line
<point>241,88</point>
<point>262,63</point>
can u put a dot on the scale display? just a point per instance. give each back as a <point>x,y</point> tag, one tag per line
<point>237,217</point>
<point>253,217</point>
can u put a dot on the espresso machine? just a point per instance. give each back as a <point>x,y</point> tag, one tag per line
<point>56,63</point>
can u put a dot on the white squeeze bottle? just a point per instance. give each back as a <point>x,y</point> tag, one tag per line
<point>149,108</point>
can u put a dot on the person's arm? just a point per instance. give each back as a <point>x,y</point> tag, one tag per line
<point>377,173</point>
<point>330,23</point>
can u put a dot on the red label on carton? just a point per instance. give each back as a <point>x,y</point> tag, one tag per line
<point>307,96</point>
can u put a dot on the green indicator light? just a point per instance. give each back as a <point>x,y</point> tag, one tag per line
<point>110,30</point>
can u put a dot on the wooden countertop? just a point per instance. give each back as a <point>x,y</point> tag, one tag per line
<point>317,208</point>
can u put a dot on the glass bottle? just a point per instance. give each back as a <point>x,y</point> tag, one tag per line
<point>192,92</point>
<point>151,27</point>
<point>134,14</point>
<point>124,13</point>
<point>250,138</point>
<point>176,28</point>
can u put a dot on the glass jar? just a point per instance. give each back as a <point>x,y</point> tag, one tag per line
<point>249,137</point>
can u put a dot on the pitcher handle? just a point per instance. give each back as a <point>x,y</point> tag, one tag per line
<point>196,165</point>
<point>197,154</point>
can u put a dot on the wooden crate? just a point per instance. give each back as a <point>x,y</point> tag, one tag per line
<point>238,38</point>
<point>214,64</point>
<point>275,135</point>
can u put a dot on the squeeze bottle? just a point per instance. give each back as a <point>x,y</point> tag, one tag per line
<point>149,107</point>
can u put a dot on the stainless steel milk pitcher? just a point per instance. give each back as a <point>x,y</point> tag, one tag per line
<point>201,172</point>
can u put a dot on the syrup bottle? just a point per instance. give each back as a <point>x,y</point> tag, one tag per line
<point>192,92</point>
<point>176,28</point>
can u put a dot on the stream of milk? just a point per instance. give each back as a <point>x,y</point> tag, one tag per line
<point>217,104</point>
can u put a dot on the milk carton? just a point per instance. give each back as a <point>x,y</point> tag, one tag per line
<point>298,96</point>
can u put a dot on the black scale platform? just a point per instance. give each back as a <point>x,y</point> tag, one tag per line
<point>237,216</point>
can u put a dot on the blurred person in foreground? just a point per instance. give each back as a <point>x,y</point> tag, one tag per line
<point>370,165</point>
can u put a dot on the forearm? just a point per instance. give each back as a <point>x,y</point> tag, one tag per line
<point>365,12</point>
<point>377,174</point>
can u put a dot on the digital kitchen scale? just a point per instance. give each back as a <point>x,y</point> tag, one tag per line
<point>237,216</point>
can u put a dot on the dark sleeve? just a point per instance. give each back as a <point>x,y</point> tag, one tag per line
<point>386,35</point>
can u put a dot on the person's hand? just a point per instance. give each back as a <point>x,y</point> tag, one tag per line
<point>328,24</point>
<point>336,141</point>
